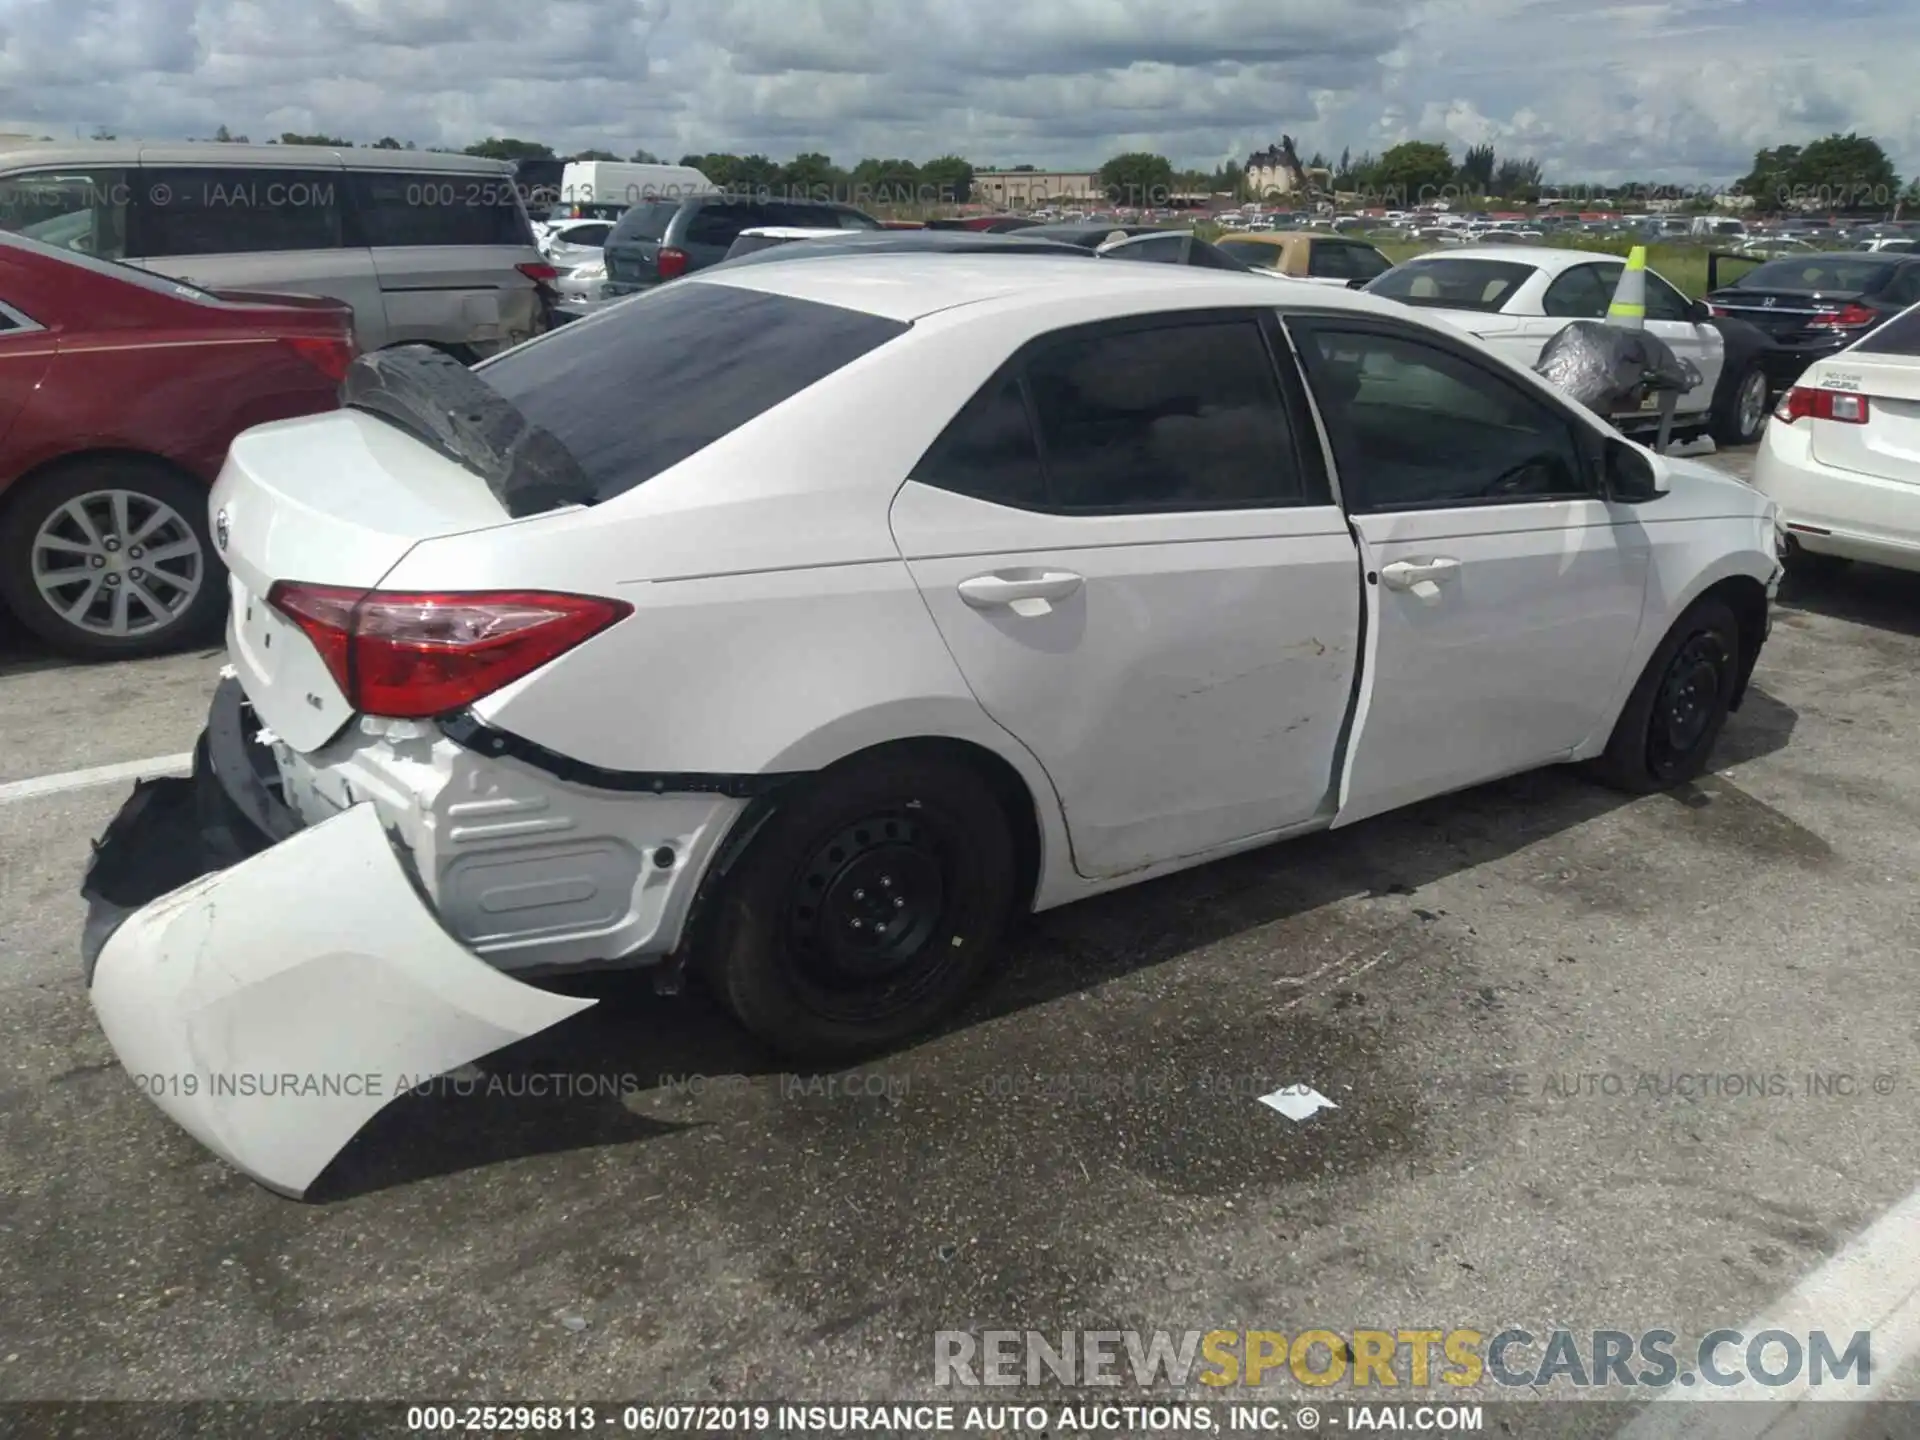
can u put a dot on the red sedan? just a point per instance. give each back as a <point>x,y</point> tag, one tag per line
<point>119,394</point>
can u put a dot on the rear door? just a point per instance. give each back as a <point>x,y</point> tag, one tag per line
<point>255,227</point>
<point>446,247</point>
<point>1128,544</point>
<point>1503,593</point>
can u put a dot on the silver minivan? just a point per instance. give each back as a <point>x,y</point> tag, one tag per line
<point>424,246</point>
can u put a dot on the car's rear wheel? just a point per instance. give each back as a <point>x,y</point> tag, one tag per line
<point>866,909</point>
<point>110,559</point>
<point>1742,413</point>
<point>1667,731</point>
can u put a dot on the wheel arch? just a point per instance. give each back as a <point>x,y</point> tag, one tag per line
<point>1015,778</point>
<point>56,465</point>
<point>1747,598</point>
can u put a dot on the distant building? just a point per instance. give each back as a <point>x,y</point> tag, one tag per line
<point>1034,187</point>
<point>1276,172</point>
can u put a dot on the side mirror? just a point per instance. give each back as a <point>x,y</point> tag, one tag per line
<point>1701,312</point>
<point>1632,477</point>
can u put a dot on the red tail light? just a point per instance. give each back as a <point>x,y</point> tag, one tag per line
<point>329,354</point>
<point>1851,317</point>
<point>672,263</point>
<point>414,654</point>
<point>1806,403</point>
<point>1719,310</point>
<point>539,272</point>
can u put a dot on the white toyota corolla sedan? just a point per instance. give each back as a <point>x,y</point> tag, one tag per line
<point>1842,453</point>
<point>804,621</point>
<point>1518,297</point>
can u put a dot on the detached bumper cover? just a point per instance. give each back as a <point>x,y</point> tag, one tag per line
<point>275,1004</point>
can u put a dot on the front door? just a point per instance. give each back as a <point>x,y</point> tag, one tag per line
<point>1127,542</point>
<point>1503,593</point>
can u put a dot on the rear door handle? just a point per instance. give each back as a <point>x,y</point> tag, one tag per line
<point>1025,592</point>
<point>1423,577</point>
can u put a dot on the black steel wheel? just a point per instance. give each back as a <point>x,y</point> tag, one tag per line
<point>1666,733</point>
<point>866,908</point>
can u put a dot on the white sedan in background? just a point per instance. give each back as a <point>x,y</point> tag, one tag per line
<point>1518,297</point>
<point>804,621</point>
<point>1842,452</point>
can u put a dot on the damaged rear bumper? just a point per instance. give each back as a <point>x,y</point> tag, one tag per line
<point>274,1004</point>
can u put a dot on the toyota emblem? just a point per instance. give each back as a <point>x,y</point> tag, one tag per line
<point>221,529</point>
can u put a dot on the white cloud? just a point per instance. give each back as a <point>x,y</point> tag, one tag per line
<point>1681,90</point>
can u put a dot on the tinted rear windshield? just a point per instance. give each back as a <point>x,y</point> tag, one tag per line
<point>1817,272</point>
<point>1254,252</point>
<point>645,221</point>
<point>1899,336</point>
<point>638,390</point>
<point>1453,284</point>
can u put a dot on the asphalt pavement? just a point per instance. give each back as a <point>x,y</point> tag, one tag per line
<point>1483,986</point>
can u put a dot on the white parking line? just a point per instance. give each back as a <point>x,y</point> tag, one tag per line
<point>98,775</point>
<point>1873,1284</point>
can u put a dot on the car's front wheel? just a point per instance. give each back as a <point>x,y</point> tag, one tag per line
<point>1742,412</point>
<point>866,908</point>
<point>110,559</point>
<point>1667,731</point>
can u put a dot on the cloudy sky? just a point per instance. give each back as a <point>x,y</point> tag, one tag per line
<point>1676,90</point>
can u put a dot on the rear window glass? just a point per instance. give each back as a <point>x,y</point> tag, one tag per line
<point>1823,272</point>
<point>638,390</point>
<point>1899,336</point>
<point>1266,257</point>
<point>443,209</point>
<point>647,221</point>
<point>1453,284</point>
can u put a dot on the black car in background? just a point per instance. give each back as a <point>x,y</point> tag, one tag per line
<point>1814,305</point>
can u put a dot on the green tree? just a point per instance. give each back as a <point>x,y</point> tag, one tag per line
<point>719,167</point>
<point>812,174</point>
<point>885,182</point>
<point>644,157</point>
<point>1477,170</point>
<point>224,136</point>
<point>1843,172</point>
<point>289,137</point>
<point>1137,178</point>
<point>1771,180</point>
<point>1414,172</point>
<point>507,148</point>
<point>1028,168</point>
<point>950,179</point>
<point>1517,180</point>
<point>594,155</point>
<point>387,142</point>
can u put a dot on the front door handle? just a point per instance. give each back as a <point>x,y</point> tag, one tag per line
<point>1423,577</point>
<point>1025,592</point>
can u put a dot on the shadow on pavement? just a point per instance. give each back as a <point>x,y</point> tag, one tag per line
<point>592,1081</point>
<point>1864,594</point>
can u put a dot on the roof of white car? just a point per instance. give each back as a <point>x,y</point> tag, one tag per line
<point>793,232</point>
<point>1550,258</point>
<point>909,285</point>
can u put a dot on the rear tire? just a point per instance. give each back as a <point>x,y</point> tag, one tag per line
<point>1667,731</point>
<point>1742,413</point>
<point>110,559</point>
<point>868,907</point>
